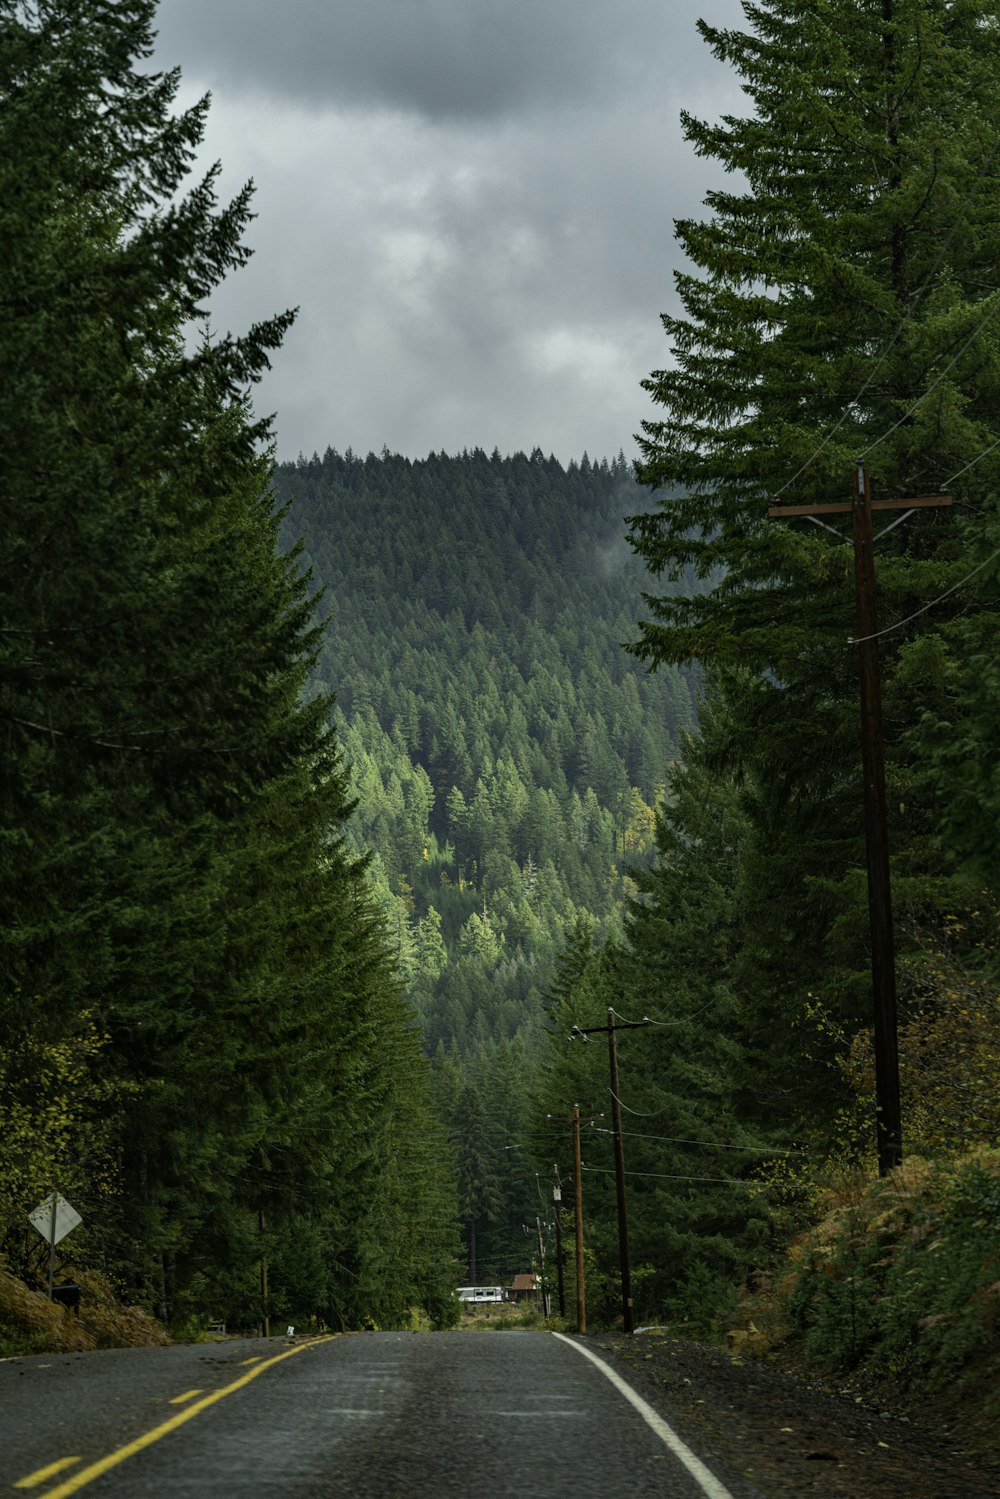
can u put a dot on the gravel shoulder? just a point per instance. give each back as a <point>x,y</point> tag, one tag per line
<point>787,1434</point>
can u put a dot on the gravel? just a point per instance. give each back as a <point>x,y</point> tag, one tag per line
<point>787,1434</point>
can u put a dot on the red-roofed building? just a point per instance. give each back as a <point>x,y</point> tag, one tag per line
<point>524,1288</point>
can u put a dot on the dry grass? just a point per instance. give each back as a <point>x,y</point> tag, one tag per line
<point>38,1320</point>
<point>33,1323</point>
<point>111,1324</point>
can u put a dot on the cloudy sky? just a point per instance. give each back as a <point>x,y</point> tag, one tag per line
<point>470,201</point>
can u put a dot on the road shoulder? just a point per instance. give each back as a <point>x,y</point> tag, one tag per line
<point>787,1436</point>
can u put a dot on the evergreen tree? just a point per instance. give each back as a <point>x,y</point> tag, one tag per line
<point>480,1196</point>
<point>838,304</point>
<point>172,867</point>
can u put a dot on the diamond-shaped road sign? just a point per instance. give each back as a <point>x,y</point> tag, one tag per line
<point>66,1218</point>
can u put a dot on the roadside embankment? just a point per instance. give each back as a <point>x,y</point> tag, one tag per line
<point>31,1323</point>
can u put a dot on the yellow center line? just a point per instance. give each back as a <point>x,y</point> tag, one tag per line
<point>34,1479</point>
<point>87,1475</point>
<point>255,1360</point>
<point>180,1399</point>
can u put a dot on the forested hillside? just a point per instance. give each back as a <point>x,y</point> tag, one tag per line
<point>504,749</point>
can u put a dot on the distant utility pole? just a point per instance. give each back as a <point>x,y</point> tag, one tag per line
<point>575,1120</point>
<point>556,1207</point>
<point>541,1257</point>
<point>581,1298</point>
<point>628,1312</point>
<point>883,960</point>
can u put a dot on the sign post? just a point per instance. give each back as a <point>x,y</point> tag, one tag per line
<point>54,1219</point>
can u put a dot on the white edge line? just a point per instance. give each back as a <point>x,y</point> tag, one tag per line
<point>710,1485</point>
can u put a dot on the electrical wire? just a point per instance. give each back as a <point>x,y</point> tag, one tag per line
<point>638,1113</point>
<point>984,454</point>
<point>666,1024</point>
<point>731,1181</point>
<point>877,635</point>
<point>843,418</point>
<point>846,540</point>
<point>633,1134</point>
<point>934,385</point>
<point>899,623</point>
<point>888,630</point>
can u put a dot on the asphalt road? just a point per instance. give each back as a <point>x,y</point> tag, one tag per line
<point>371,1416</point>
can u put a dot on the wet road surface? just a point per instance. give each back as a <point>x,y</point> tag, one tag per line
<point>372,1416</point>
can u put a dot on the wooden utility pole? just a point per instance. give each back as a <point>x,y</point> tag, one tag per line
<point>556,1209</point>
<point>883,959</point>
<point>581,1298</point>
<point>546,1308</point>
<point>265,1318</point>
<point>628,1312</point>
<point>575,1121</point>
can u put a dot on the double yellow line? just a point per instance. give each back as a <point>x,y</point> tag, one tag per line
<point>88,1474</point>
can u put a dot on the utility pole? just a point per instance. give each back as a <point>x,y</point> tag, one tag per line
<point>628,1311</point>
<point>883,960</point>
<point>541,1259</point>
<point>575,1120</point>
<point>265,1320</point>
<point>556,1204</point>
<point>581,1298</point>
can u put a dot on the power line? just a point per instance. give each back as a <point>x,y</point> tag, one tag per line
<point>711,1144</point>
<point>932,604</point>
<point>731,1181</point>
<point>934,385</point>
<point>774,1150</point>
<point>843,418</point>
<point>668,1024</point>
<point>877,635</point>
<point>947,483</point>
<point>638,1113</point>
<point>984,454</point>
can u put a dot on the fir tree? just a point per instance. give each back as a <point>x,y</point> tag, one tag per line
<point>172,865</point>
<point>841,303</point>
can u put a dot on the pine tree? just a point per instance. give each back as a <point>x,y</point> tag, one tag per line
<point>841,303</point>
<point>113,453</point>
<point>480,1195</point>
<point>172,861</point>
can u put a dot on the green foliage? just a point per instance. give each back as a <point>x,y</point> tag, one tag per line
<point>699,1212</point>
<point>58,1118</point>
<point>821,269</point>
<point>902,1280</point>
<point>15,1343</point>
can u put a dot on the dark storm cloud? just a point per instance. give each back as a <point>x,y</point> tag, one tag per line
<point>471,204</point>
<point>500,289</point>
<point>464,59</point>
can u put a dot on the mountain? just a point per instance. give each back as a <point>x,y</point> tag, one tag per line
<point>505,750</point>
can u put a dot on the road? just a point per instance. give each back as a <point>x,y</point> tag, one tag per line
<point>370,1416</point>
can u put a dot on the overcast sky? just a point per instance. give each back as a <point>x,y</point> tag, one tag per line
<point>470,201</point>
